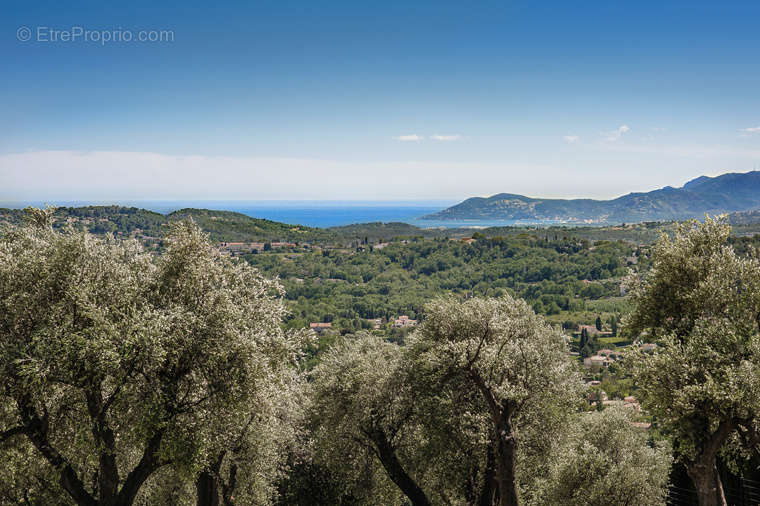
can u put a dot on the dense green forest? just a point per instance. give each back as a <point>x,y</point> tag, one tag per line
<point>557,277</point>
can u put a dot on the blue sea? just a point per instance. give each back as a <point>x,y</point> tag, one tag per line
<point>310,213</point>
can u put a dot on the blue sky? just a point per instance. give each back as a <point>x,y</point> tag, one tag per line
<point>381,100</point>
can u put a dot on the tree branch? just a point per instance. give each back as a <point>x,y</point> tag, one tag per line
<point>36,429</point>
<point>108,472</point>
<point>4,436</point>
<point>148,464</point>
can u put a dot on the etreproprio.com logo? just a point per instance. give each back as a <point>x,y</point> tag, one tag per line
<point>99,36</point>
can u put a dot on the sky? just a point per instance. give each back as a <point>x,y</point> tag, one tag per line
<point>373,100</point>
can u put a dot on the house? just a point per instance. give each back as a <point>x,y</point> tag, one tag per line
<point>610,354</point>
<point>404,321</point>
<point>603,358</point>
<point>627,403</point>
<point>631,402</point>
<point>597,360</point>
<point>320,327</point>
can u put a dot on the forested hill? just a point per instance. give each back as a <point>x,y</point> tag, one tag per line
<point>714,195</point>
<point>231,226</point>
<point>220,225</point>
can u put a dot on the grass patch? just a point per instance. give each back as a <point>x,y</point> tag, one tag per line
<point>617,341</point>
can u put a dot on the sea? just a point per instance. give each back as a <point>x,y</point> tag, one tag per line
<point>312,213</point>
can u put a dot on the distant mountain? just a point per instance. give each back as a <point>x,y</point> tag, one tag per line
<point>744,217</point>
<point>714,195</point>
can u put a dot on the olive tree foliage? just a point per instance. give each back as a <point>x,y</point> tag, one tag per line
<point>702,303</point>
<point>385,428</point>
<point>514,361</point>
<point>455,445</point>
<point>116,364</point>
<point>25,477</point>
<point>602,460</point>
<point>363,421</point>
<point>247,471</point>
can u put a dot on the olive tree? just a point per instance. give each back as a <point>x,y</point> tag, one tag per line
<point>702,303</point>
<point>115,364</point>
<point>515,362</point>
<point>454,444</point>
<point>246,469</point>
<point>602,460</point>
<point>381,416</point>
<point>364,426</point>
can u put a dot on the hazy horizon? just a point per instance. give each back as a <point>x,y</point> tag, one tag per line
<point>100,200</point>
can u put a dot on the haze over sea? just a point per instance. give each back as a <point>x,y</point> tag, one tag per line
<point>312,213</point>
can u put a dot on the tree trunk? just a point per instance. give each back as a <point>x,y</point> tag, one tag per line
<point>396,472</point>
<point>506,441</point>
<point>207,490</point>
<point>108,472</point>
<point>704,474</point>
<point>489,492</point>
<point>228,488</point>
<point>506,453</point>
<point>703,470</point>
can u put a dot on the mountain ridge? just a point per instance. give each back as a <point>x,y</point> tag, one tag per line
<point>727,193</point>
